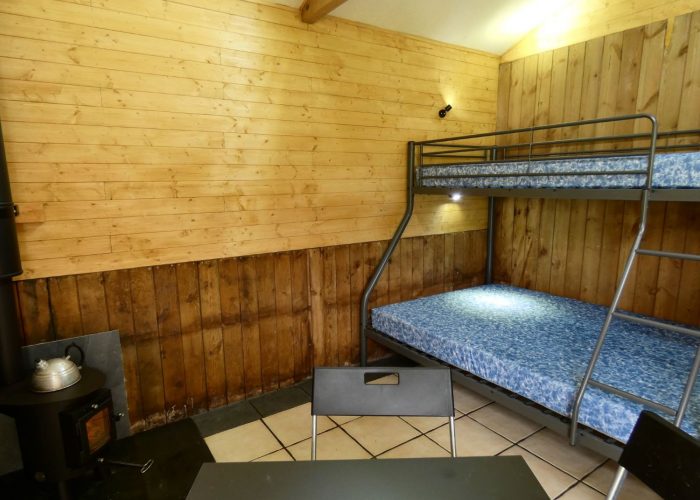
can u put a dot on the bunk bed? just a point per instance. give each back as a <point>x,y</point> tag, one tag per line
<point>584,370</point>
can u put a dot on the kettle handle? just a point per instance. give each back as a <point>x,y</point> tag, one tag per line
<point>80,350</point>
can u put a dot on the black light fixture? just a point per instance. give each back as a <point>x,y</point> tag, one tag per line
<point>443,112</point>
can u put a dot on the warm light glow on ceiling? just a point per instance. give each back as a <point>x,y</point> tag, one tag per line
<point>557,26</point>
<point>524,17</point>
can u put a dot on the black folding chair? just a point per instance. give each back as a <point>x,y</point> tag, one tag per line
<point>663,457</point>
<point>424,392</point>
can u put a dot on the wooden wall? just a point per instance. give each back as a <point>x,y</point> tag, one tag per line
<point>200,335</point>
<point>577,21</point>
<point>146,132</point>
<point>577,248</point>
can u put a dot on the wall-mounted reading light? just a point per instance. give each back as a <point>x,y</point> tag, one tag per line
<point>456,196</point>
<point>443,112</point>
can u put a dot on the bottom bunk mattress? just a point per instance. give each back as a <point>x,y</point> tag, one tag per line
<point>538,346</point>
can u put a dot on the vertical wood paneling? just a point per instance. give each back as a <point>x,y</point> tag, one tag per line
<point>269,352</point>
<point>357,284</point>
<point>329,304</point>
<point>35,311</point>
<point>93,306</point>
<point>170,336</point>
<point>689,291</point>
<point>120,311</point>
<point>343,304</point>
<point>199,335</point>
<point>143,302</point>
<point>283,318</point>
<point>192,342</point>
<point>317,318</point>
<point>252,358</point>
<point>591,250</point>
<point>65,307</point>
<point>582,245</point>
<point>303,348</point>
<point>610,251</point>
<point>231,321</point>
<point>212,335</point>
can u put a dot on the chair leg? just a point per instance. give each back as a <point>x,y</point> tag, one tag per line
<point>617,483</point>
<point>453,440</point>
<point>313,437</point>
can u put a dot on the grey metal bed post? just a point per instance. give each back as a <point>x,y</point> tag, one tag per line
<point>489,229</point>
<point>489,241</point>
<point>621,284</point>
<point>372,283</point>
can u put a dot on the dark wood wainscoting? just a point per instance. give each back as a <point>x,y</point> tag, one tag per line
<point>199,335</point>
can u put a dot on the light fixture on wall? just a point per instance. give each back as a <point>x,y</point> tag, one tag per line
<point>443,112</point>
<point>456,196</point>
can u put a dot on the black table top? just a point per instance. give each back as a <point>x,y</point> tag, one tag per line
<point>405,479</point>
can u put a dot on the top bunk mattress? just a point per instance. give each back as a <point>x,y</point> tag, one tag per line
<point>538,345</point>
<point>671,171</point>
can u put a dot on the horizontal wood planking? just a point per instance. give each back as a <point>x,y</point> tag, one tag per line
<point>257,323</point>
<point>114,111</point>
<point>581,245</point>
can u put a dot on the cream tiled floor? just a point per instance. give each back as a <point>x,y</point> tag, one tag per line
<point>482,428</point>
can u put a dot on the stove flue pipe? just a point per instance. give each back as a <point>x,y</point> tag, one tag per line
<point>10,265</point>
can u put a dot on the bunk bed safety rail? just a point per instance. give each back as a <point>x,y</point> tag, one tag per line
<point>476,154</point>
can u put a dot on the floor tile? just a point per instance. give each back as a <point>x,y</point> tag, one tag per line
<point>426,424</point>
<point>226,417</point>
<point>342,419</point>
<point>505,422</point>
<point>553,480</point>
<point>467,401</point>
<point>582,492</point>
<point>294,425</point>
<point>281,400</point>
<point>555,449</point>
<point>378,434</point>
<point>278,456</point>
<point>601,479</point>
<point>332,445</point>
<point>242,444</point>
<point>416,448</point>
<point>473,439</point>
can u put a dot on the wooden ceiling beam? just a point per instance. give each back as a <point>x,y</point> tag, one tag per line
<point>313,10</point>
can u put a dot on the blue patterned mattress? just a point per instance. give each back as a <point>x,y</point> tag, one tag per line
<point>671,171</point>
<point>538,345</point>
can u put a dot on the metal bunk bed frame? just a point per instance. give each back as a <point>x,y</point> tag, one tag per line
<point>455,149</point>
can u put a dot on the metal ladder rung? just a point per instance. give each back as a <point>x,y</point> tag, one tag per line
<point>633,397</point>
<point>658,324</point>
<point>670,255</point>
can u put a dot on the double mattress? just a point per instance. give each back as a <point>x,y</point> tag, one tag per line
<point>538,345</point>
<point>671,171</point>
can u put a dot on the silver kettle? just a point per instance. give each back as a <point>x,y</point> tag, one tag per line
<point>57,373</point>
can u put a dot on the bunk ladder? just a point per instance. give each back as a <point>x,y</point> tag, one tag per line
<point>613,312</point>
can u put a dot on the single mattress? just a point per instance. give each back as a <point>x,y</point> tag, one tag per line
<point>538,345</point>
<point>671,171</point>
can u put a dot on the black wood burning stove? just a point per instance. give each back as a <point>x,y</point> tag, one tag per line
<point>60,433</point>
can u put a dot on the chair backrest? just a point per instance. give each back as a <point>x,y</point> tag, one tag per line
<point>663,457</point>
<point>355,391</point>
